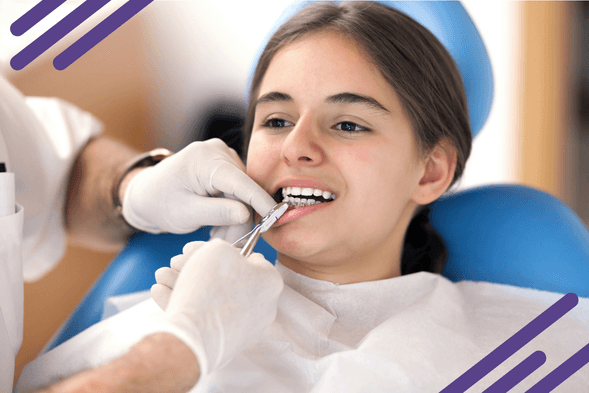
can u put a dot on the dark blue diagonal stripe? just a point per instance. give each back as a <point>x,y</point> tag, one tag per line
<point>57,32</point>
<point>100,32</point>
<point>513,344</point>
<point>562,372</point>
<point>34,15</point>
<point>518,373</point>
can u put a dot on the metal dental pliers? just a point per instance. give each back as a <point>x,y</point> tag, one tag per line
<point>265,223</point>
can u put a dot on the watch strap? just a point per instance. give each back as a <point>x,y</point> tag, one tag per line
<point>141,161</point>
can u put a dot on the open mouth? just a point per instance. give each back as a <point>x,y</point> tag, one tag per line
<point>301,197</point>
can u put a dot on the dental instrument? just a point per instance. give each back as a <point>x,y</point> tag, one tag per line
<point>265,223</point>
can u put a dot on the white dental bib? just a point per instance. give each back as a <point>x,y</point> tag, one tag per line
<point>415,333</point>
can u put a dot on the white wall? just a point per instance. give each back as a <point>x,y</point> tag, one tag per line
<point>202,51</point>
<point>494,154</point>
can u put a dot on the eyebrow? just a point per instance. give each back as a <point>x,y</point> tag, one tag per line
<point>340,98</point>
<point>274,97</point>
<point>353,98</point>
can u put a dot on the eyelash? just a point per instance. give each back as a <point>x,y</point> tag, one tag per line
<point>268,124</point>
<point>353,125</point>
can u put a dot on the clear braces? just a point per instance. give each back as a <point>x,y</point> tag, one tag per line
<point>297,201</point>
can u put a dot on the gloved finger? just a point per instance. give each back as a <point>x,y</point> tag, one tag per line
<point>218,232</point>
<point>230,180</point>
<point>177,263</point>
<point>231,233</point>
<point>233,154</point>
<point>161,295</point>
<point>167,276</point>
<point>213,211</point>
<point>192,246</point>
<point>218,145</point>
<point>259,259</point>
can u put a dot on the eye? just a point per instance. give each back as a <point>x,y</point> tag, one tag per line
<point>349,126</point>
<point>277,123</point>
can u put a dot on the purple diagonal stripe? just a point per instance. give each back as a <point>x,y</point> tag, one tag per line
<point>100,32</point>
<point>518,373</point>
<point>34,15</point>
<point>56,33</point>
<point>513,344</point>
<point>562,372</point>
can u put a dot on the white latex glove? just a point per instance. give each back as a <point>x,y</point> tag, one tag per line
<point>166,277</point>
<point>197,186</point>
<point>222,301</point>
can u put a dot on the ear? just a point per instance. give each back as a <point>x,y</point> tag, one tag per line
<point>440,165</point>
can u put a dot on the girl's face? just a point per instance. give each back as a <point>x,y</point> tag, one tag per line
<point>327,120</point>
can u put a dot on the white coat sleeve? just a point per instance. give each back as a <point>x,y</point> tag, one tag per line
<point>98,345</point>
<point>43,137</point>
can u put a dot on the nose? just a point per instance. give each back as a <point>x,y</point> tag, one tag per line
<point>302,146</point>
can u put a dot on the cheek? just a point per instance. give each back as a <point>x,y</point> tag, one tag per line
<point>378,175</point>
<point>261,158</point>
<point>357,158</point>
<point>362,171</point>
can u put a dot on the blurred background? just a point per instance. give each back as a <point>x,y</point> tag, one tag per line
<point>178,70</point>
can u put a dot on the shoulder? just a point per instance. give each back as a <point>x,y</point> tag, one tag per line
<point>518,300</point>
<point>61,118</point>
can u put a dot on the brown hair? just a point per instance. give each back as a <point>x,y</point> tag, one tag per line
<point>416,65</point>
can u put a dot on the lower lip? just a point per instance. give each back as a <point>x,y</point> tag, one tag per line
<point>296,213</point>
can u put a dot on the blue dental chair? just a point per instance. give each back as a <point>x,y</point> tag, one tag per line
<point>507,234</point>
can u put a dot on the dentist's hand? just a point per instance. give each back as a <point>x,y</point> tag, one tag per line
<point>222,301</point>
<point>184,192</point>
<point>165,277</point>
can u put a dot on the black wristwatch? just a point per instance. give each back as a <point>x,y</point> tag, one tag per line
<point>144,160</point>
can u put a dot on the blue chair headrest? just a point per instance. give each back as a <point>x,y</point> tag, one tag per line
<point>453,27</point>
<point>514,235</point>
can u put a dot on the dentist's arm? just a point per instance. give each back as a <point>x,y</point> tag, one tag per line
<point>160,363</point>
<point>91,220</point>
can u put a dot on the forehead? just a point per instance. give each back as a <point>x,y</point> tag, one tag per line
<point>325,63</point>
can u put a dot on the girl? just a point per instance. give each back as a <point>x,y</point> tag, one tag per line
<point>358,117</point>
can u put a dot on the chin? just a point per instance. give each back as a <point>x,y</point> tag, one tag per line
<point>297,247</point>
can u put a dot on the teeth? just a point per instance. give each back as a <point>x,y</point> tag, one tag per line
<point>297,191</point>
<point>293,195</point>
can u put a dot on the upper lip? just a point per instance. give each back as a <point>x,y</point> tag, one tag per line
<point>303,183</point>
